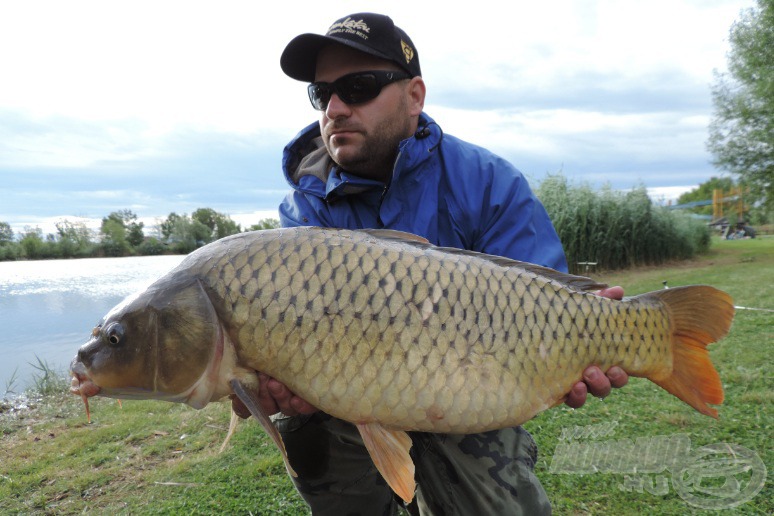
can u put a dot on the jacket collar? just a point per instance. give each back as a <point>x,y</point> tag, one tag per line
<point>308,168</point>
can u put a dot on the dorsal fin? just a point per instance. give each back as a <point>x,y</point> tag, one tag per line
<point>580,283</point>
<point>398,236</point>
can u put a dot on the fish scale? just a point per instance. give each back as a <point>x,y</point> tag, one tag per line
<point>382,329</point>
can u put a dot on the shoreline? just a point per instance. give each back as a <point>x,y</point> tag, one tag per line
<point>18,403</point>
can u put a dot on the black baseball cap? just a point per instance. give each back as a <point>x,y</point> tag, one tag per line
<point>374,34</point>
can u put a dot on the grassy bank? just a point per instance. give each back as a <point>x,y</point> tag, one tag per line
<point>155,457</point>
<point>743,269</point>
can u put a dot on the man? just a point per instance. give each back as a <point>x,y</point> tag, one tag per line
<point>375,160</point>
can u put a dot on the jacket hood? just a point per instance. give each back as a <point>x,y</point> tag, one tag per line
<point>309,169</point>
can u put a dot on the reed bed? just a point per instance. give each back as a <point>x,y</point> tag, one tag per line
<point>616,229</point>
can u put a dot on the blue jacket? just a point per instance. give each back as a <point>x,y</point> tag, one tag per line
<point>449,191</point>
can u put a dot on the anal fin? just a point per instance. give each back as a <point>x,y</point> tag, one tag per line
<point>389,450</point>
<point>249,396</point>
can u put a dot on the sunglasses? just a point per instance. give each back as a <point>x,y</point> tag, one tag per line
<point>353,88</point>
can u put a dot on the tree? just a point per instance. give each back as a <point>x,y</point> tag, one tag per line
<point>265,224</point>
<point>74,238</point>
<point>220,225</point>
<point>227,227</point>
<point>168,225</point>
<point>134,234</point>
<point>32,244</point>
<point>206,216</point>
<point>114,241</point>
<point>6,233</point>
<point>741,135</point>
<point>9,250</point>
<point>188,234</point>
<point>133,229</point>
<point>121,232</point>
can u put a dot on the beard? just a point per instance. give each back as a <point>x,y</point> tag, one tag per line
<point>374,157</point>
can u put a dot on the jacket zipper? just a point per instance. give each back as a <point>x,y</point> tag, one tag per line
<point>384,192</point>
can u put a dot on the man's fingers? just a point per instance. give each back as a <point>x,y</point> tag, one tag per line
<point>577,396</point>
<point>265,398</point>
<point>617,376</point>
<point>277,390</point>
<point>287,402</point>
<point>598,384</point>
<point>239,408</point>
<point>280,396</point>
<point>266,401</point>
<point>611,293</point>
<point>302,406</point>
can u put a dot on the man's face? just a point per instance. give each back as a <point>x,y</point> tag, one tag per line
<point>363,138</point>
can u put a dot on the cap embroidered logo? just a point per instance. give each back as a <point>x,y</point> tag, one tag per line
<point>350,26</point>
<point>408,52</point>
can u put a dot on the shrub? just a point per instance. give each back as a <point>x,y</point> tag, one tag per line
<point>618,229</point>
<point>152,246</point>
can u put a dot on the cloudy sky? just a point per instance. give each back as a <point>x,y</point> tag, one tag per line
<point>161,106</point>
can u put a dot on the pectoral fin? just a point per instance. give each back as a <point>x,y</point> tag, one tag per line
<point>249,396</point>
<point>389,450</point>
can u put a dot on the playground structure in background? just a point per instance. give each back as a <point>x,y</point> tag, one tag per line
<point>723,205</point>
<point>734,198</point>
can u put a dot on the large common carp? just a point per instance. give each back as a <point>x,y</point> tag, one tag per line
<point>386,331</point>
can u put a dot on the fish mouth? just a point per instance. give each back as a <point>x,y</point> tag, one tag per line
<point>83,387</point>
<point>80,384</point>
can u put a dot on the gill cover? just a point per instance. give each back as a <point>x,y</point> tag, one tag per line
<point>157,344</point>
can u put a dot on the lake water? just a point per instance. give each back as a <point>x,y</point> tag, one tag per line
<point>48,308</point>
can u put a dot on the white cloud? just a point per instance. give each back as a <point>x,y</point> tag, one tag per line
<point>248,219</point>
<point>598,85</point>
<point>668,194</point>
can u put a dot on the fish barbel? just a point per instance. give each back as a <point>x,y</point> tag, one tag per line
<point>388,332</point>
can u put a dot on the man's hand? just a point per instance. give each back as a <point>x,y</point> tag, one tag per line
<point>274,397</point>
<point>594,381</point>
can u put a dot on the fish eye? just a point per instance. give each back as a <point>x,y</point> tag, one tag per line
<point>114,334</point>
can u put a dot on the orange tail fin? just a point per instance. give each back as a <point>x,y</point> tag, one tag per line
<point>700,315</point>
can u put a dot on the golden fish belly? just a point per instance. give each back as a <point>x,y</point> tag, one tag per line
<point>417,338</point>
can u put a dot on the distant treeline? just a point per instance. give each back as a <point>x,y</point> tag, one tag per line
<point>619,229</point>
<point>120,234</point>
<point>613,229</point>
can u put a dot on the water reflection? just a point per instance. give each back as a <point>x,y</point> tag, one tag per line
<point>48,308</point>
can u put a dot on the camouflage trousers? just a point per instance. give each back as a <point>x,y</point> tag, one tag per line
<point>487,473</point>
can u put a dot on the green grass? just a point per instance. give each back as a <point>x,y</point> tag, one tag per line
<point>742,268</point>
<point>161,458</point>
<point>147,457</point>
<point>47,380</point>
<point>10,384</point>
